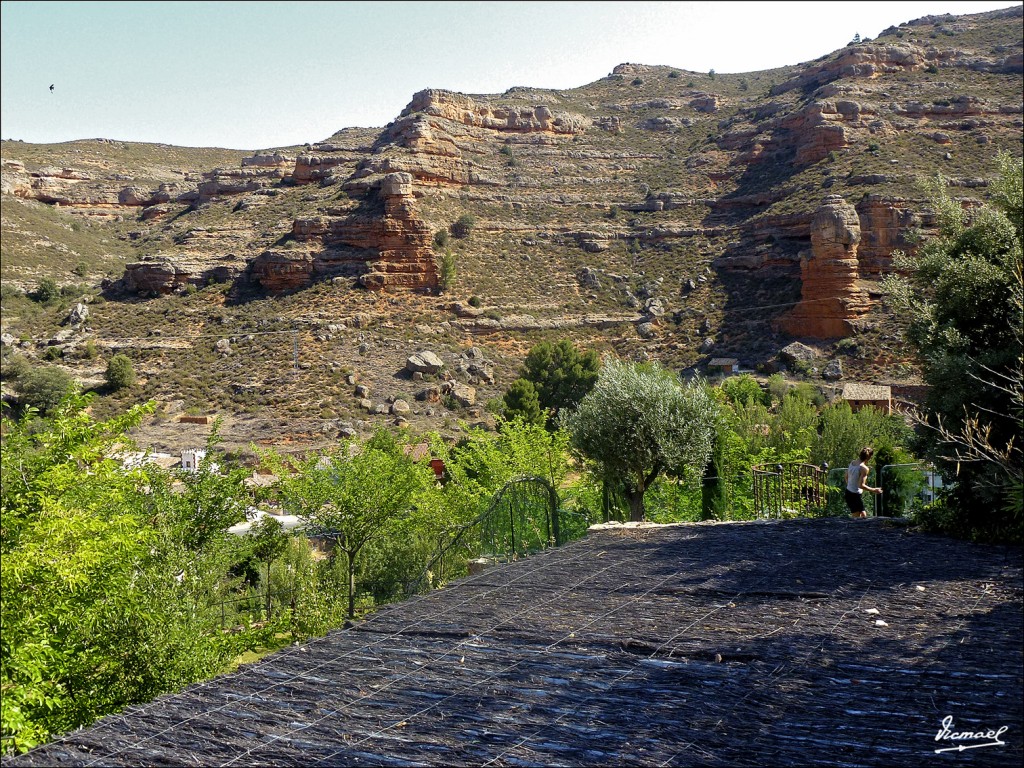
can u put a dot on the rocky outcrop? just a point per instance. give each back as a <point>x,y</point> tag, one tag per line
<point>405,258</point>
<point>164,274</point>
<point>221,182</point>
<point>436,135</point>
<point>388,248</point>
<point>885,226</point>
<point>268,160</point>
<point>459,108</point>
<point>830,296</point>
<point>83,194</point>
<point>863,60</point>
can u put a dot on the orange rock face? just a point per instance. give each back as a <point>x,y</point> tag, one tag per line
<point>392,250</point>
<point>886,222</point>
<point>830,298</point>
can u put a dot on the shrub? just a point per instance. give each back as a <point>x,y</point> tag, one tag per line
<point>13,367</point>
<point>474,301</point>
<point>441,238</point>
<point>446,271</point>
<point>462,226</point>
<point>46,291</point>
<point>45,388</point>
<point>120,373</point>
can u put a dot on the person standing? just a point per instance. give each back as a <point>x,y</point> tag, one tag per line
<point>857,483</point>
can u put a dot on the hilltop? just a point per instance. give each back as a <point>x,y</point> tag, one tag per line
<point>656,213</point>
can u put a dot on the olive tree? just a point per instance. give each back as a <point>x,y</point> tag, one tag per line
<point>637,423</point>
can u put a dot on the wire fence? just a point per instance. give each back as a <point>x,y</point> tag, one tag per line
<point>786,491</point>
<point>255,605</point>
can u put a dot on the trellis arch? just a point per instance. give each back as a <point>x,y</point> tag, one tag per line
<point>522,517</point>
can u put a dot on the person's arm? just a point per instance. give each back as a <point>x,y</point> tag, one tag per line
<point>864,481</point>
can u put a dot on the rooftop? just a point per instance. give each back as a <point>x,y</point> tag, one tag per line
<point>834,641</point>
<point>867,392</point>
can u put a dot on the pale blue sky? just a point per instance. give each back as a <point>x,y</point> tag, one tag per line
<point>257,75</point>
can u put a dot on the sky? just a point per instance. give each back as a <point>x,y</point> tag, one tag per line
<point>260,75</point>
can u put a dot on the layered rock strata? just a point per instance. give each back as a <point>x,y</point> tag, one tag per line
<point>391,249</point>
<point>830,296</point>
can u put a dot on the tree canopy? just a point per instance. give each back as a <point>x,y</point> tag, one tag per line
<point>561,374</point>
<point>638,422</point>
<point>964,296</point>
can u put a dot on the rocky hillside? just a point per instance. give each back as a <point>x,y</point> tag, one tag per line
<point>654,213</point>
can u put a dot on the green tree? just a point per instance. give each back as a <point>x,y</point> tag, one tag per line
<point>964,296</point>
<point>841,433</point>
<point>521,402</point>
<point>743,389</point>
<point>712,495</point>
<point>637,423</point>
<point>199,506</point>
<point>44,388</point>
<point>794,423</point>
<point>269,542</point>
<point>93,617</point>
<point>46,291</point>
<point>446,271</point>
<point>353,499</point>
<point>120,372</point>
<point>561,375</point>
<point>462,226</point>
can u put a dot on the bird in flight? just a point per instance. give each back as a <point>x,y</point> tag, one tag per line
<point>51,87</point>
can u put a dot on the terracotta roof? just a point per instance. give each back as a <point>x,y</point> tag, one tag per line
<point>866,392</point>
<point>416,451</point>
<point>834,641</point>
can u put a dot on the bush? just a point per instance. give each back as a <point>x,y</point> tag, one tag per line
<point>46,291</point>
<point>120,373</point>
<point>474,301</point>
<point>441,238</point>
<point>44,388</point>
<point>462,226</point>
<point>13,367</point>
<point>446,271</point>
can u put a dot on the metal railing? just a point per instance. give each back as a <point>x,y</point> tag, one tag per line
<point>790,489</point>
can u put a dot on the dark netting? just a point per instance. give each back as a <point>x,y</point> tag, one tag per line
<point>702,644</point>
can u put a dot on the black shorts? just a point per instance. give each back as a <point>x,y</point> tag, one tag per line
<point>855,501</point>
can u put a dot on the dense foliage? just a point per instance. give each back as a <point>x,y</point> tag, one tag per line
<point>120,372</point>
<point>964,297</point>
<point>558,374</point>
<point>637,423</point>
